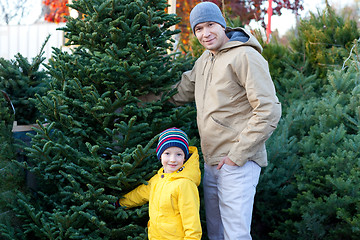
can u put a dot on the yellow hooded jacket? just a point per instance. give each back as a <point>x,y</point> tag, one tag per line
<point>173,201</point>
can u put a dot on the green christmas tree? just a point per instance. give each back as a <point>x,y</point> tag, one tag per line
<point>305,193</point>
<point>327,178</point>
<point>324,41</point>
<point>21,79</point>
<point>7,151</point>
<point>11,177</point>
<point>99,139</point>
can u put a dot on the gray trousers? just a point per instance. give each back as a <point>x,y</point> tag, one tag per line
<point>229,197</point>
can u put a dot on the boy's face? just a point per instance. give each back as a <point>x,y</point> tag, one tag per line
<point>211,35</point>
<point>172,159</point>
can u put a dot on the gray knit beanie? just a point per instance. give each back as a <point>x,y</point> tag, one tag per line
<point>206,12</point>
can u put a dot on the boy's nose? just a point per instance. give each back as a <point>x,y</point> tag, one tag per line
<point>172,158</point>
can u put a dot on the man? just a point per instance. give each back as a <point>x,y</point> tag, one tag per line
<point>237,111</point>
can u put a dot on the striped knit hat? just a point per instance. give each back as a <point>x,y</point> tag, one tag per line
<point>173,137</point>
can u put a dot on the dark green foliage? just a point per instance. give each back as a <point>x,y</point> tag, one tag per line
<point>310,188</point>
<point>7,150</point>
<point>11,177</point>
<point>129,41</point>
<point>21,79</point>
<point>100,136</point>
<point>326,205</point>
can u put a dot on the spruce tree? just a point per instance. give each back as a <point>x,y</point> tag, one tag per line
<point>99,139</point>
<point>21,79</point>
<point>7,150</point>
<point>327,180</point>
<point>11,177</point>
<point>309,190</point>
<point>324,41</point>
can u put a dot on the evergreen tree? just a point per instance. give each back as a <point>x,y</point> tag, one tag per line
<point>324,41</point>
<point>100,138</point>
<point>7,151</point>
<point>309,190</point>
<point>11,177</point>
<point>327,182</point>
<point>21,79</point>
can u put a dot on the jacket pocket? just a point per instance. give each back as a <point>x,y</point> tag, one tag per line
<point>218,138</point>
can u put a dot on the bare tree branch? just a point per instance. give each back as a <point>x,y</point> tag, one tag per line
<point>14,11</point>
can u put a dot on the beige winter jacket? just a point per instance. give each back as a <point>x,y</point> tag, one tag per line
<point>237,107</point>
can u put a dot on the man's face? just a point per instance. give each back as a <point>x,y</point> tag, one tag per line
<point>211,35</point>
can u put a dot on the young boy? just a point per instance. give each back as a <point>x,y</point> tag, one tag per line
<point>172,193</point>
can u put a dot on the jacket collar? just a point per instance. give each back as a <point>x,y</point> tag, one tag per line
<point>239,37</point>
